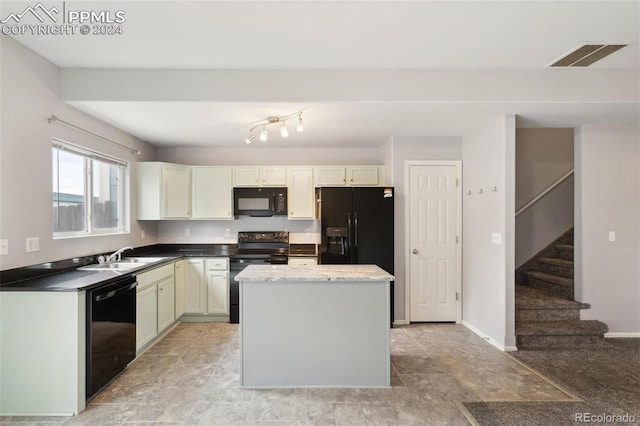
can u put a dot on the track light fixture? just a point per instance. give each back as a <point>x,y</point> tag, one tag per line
<point>281,121</point>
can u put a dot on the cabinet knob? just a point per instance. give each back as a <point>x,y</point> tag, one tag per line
<point>344,181</point>
<point>352,180</point>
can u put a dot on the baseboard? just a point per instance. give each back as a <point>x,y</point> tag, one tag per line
<point>619,335</point>
<point>498,345</point>
<point>399,322</point>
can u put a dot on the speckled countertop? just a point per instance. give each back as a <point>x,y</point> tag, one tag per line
<point>79,279</point>
<point>313,273</point>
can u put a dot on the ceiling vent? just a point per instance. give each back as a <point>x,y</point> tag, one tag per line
<point>587,55</point>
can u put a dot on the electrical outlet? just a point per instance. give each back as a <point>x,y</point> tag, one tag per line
<point>143,235</point>
<point>32,244</point>
<point>308,231</point>
<point>4,247</point>
<point>612,236</point>
<point>227,233</point>
<point>187,232</point>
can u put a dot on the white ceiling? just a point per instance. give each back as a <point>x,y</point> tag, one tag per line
<point>342,35</point>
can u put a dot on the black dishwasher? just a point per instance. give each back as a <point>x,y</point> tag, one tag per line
<point>111,332</point>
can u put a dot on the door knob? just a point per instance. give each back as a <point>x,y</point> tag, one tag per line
<point>414,251</point>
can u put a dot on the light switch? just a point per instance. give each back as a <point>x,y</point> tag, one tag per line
<point>496,238</point>
<point>227,233</point>
<point>4,247</point>
<point>612,236</point>
<point>187,232</point>
<point>32,244</point>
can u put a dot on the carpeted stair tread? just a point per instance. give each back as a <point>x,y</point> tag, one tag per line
<point>532,298</point>
<point>561,328</point>
<point>557,261</point>
<point>564,247</point>
<point>551,278</point>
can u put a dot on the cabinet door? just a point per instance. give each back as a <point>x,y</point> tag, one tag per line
<point>212,193</point>
<point>247,176</point>
<point>217,292</point>
<point>367,175</point>
<point>301,197</point>
<point>146,316</point>
<point>274,176</point>
<point>330,176</point>
<point>194,287</point>
<point>180,269</point>
<point>176,191</point>
<point>166,303</point>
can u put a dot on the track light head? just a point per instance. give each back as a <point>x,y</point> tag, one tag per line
<point>250,138</point>
<point>263,134</point>
<point>299,127</point>
<point>283,130</point>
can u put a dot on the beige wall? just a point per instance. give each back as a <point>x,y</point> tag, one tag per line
<point>542,156</point>
<point>608,199</point>
<point>30,87</point>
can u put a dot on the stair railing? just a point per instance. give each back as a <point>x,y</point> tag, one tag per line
<point>545,192</point>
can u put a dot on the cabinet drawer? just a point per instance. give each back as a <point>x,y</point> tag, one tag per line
<point>219,263</point>
<point>154,275</point>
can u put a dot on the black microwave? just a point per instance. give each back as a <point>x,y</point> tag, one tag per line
<point>259,201</point>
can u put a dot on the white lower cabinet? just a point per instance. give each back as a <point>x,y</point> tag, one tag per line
<point>205,286</point>
<point>194,286</point>
<point>155,304</point>
<point>166,304</point>
<point>146,316</point>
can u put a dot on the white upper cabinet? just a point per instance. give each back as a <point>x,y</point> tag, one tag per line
<point>301,196</point>
<point>247,176</point>
<point>330,176</point>
<point>348,175</point>
<point>212,193</point>
<point>164,191</point>
<point>261,176</point>
<point>363,175</point>
<point>273,176</point>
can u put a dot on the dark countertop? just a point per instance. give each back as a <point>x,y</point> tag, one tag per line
<point>64,275</point>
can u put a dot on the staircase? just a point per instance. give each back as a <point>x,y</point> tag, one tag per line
<point>547,317</point>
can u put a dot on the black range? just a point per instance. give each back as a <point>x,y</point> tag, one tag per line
<point>255,248</point>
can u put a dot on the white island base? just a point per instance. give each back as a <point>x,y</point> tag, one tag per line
<point>314,326</point>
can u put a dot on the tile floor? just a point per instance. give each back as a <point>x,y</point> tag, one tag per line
<point>191,377</point>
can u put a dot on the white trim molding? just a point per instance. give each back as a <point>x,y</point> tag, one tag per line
<point>498,345</point>
<point>616,335</point>
<point>407,233</point>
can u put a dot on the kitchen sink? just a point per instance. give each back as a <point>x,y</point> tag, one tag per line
<point>127,264</point>
<point>141,259</point>
<point>113,265</point>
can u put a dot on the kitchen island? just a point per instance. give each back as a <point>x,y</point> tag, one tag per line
<point>314,326</point>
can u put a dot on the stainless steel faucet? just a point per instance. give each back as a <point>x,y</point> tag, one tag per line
<point>117,255</point>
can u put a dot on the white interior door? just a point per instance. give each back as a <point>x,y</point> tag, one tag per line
<point>433,248</point>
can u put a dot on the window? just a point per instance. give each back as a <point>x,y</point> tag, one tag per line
<point>88,192</point>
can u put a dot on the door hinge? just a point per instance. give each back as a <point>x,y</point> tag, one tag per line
<point>457,182</point>
<point>456,239</point>
<point>457,296</point>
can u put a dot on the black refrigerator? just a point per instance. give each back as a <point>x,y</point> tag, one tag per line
<point>357,227</point>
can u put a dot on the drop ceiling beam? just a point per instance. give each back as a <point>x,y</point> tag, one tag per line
<point>83,84</point>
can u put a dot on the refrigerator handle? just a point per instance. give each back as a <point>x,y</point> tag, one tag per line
<point>349,236</point>
<point>355,235</point>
